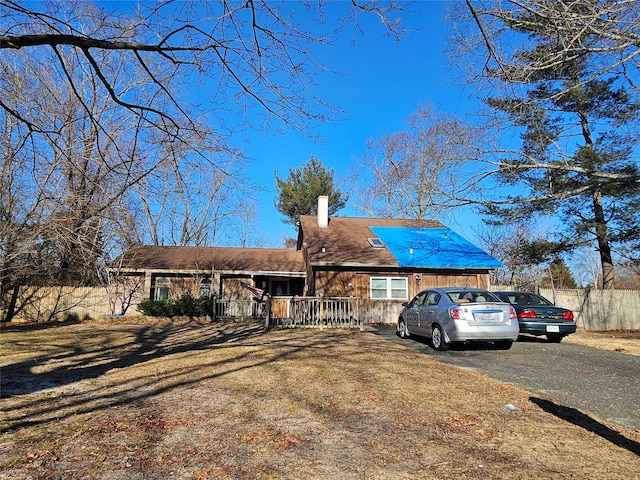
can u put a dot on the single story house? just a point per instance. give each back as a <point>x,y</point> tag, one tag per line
<point>376,259</point>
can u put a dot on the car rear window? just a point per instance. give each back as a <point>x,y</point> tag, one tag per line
<point>530,299</point>
<point>464,296</point>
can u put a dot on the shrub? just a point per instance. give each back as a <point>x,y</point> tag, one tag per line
<point>186,305</point>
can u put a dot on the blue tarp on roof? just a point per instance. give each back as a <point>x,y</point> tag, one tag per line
<point>433,248</point>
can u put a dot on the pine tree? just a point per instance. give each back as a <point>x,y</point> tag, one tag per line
<point>560,275</point>
<point>579,132</point>
<point>298,194</point>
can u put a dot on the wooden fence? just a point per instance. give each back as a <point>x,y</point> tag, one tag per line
<point>600,310</point>
<point>43,304</point>
<point>238,309</point>
<point>595,310</point>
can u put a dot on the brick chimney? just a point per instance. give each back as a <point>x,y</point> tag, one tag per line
<point>323,211</point>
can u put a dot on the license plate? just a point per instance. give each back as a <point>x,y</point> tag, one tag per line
<point>487,317</point>
<point>553,328</point>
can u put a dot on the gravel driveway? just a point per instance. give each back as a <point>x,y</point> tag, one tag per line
<point>605,384</point>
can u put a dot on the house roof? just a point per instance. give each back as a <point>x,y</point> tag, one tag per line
<point>225,259</point>
<point>433,248</point>
<point>345,240</point>
<point>405,243</point>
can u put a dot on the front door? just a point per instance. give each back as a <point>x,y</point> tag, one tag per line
<point>279,288</point>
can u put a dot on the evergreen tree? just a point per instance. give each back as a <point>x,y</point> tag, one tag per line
<point>298,193</point>
<point>579,132</point>
<point>560,275</point>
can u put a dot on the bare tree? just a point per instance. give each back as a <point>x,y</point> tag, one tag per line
<point>160,73</point>
<point>17,256</point>
<point>587,265</point>
<point>511,245</point>
<point>417,173</point>
<point>189,199</point>
<point>244,233</point>
<point>99,107</point>
<point>252,53</point>
<point>67,188</point>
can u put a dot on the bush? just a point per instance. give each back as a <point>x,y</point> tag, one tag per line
<point>186,305</point>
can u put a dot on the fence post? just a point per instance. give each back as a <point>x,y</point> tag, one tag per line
<point>267,316</point>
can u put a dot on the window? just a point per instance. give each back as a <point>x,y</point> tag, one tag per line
<point>162,288</point>
<point>376,242</point>
<point>205,287</point>
<point>433,298</point>
<point>389,288</point>
<point>419,300</point>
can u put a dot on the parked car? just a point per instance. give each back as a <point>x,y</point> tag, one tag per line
<point>538,316</point>
<point>454,314</point>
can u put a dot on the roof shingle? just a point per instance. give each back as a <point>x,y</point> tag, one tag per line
<point>170,258</point>
<point>345,240</point>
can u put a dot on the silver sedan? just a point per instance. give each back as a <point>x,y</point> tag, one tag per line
<point>455,314</point>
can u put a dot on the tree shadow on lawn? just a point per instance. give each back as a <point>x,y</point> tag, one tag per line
<point>88,358</point>
<point>578,418</point>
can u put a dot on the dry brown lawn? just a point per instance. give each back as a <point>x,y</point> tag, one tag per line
<point>613,341</point>
<point>167,401</point>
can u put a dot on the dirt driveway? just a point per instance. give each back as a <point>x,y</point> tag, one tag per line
<point>231,401</point>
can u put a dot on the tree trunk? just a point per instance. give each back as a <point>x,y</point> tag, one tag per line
<point>10,312</point>
<point>606,261</point>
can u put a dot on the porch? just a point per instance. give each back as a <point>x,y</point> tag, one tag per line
<point>309,312</point>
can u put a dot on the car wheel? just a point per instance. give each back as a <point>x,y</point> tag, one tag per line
<point>554,338</point>
<point>402,329</point>
<point>437,339</point>
<point>503,344</point>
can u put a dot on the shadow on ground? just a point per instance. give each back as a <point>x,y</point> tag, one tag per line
<point>52,359</point>
<point>578,418</point>
<point>86,360</point>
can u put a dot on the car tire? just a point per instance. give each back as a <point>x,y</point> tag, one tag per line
<point>402,329</point>
<point>437,339</point>
<point>503,344</point>
<point>554,338</point>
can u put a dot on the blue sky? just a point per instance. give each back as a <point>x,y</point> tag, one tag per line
<point>381,83</point>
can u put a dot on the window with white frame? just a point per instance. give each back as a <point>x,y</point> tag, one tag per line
<point>389,288</point>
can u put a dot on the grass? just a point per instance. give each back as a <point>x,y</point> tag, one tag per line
<point>229,400</point>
